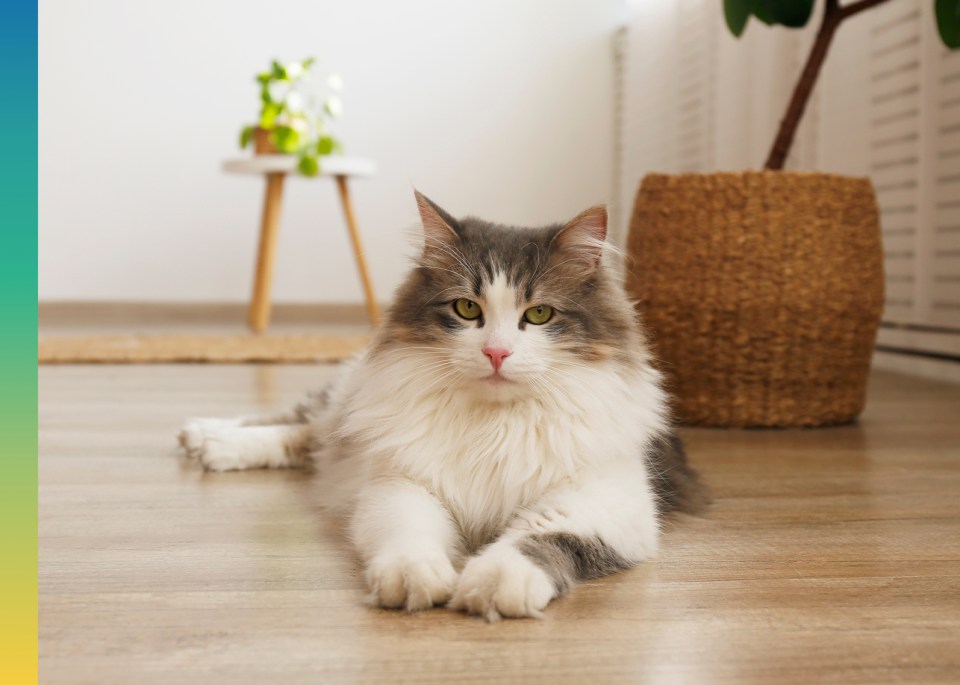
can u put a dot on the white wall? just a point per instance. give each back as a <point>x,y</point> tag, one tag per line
<point>502,108</point>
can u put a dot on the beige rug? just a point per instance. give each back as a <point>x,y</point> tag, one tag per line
<point>223,349</point>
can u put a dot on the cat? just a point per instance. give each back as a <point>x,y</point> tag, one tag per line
<point>504,436</point>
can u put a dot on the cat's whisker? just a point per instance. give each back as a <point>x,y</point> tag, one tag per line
<point>452,252</point>
<point>583,389</point>
<point>448,374</point>
<point>438,348</point>
<point>434,267</point>
<point>585,367</point>
<point>558,265</point>
<point>436,297</point>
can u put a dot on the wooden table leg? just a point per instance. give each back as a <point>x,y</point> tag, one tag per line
<point>372,309</point>
<point>259,315</point>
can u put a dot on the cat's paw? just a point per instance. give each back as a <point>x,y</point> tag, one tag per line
<point>502,582</point>
<point>411,581</point>
<point>221,452</point>
<point>211,442</point>
<point>191,438</point>
<point>195,432</point>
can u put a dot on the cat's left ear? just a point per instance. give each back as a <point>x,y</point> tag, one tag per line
<point>583,238</point>
<point>438,225</point>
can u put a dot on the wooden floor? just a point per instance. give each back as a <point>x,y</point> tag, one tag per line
<point>830,555</point>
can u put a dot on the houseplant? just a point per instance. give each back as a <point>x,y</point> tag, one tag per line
<point>763,290</point>
<point>294,119</point>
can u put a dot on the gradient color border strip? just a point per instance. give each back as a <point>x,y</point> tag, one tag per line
<point>18,343</point>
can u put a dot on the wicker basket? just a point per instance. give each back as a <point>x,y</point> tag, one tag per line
<point>762,293</point>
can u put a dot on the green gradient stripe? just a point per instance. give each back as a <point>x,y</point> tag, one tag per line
<point>18,344</point>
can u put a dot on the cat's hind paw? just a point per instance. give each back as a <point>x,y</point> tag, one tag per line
<point>502,582</point>
<point>411,581</point>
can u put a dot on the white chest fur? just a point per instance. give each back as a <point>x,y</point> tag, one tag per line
<point>487,460</point>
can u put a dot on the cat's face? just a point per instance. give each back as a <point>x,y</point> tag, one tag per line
<point>507,312</point>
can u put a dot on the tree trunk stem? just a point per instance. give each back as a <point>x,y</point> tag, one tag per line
<point>833,15</point>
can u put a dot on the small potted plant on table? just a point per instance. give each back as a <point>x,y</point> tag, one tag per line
<point>292,119</point>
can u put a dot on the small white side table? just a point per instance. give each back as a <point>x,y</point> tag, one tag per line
<point>276,168</point>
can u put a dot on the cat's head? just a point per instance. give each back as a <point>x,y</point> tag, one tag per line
<point>506,311</point>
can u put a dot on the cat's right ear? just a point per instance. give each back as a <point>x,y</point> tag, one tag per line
<point>438,226</point>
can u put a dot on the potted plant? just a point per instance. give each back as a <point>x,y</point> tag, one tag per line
<point>763,290</point>
<point>292,119</point>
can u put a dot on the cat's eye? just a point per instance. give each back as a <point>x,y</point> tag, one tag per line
<point>468,309</point>
<point>539,315</point>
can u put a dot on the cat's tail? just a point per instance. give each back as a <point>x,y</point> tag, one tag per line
<point>676,483</point>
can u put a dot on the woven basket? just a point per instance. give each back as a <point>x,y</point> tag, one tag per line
<point>762,293</point>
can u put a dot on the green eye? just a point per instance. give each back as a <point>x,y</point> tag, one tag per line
<point>539,315</point>
<point>468,309</point>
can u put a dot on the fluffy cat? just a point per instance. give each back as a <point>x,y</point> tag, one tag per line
<point>503,437</point>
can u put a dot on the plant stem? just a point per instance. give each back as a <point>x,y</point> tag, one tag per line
<point>833,15</point>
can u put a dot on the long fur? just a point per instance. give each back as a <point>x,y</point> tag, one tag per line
<point>488,490</point>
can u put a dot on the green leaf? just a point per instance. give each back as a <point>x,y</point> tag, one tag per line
<point>308,62</point>
<point>792,13</point>
<point>285,139</point>
<point>736,12</point>
<point>325,145</point>
<point>948,22</point>
<point>246,135</point>
<point>308,165</point>
<point>268,116</point>
<point>279,71</point>
<point>761,10</point>
<point>263,78</point>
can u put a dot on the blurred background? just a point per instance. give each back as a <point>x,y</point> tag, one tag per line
<point>521,112</point>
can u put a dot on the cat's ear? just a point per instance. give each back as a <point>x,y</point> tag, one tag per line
<point>438,226</point>
<point>583,238</point>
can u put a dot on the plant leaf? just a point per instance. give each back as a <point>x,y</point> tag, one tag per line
<point>246,135</point>
<point>268,115</point>
<point>948,22</point>
<point>736,13</point>
<point>792,13</point>
<point>308,165</point>
<point>761,10</point>
<point>325,145</point>
<point>285,138</point>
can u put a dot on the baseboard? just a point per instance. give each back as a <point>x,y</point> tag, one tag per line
<point>60,314</point>
<point>924,367</point>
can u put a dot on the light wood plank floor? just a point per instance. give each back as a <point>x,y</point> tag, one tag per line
<point>829,556</point>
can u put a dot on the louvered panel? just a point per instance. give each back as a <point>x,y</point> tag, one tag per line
<point>694,93</point>
<point>895,148</point>
<point>944,270</point>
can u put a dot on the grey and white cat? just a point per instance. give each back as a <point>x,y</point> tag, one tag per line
<point>504,435</point>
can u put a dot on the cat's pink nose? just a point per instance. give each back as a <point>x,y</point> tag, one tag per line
<point>496,355</point>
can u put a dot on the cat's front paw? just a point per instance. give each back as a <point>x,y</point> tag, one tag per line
<point>502,582</point>
<point>195,433</point>
<point>411,581</point>
<point>191,438</point>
